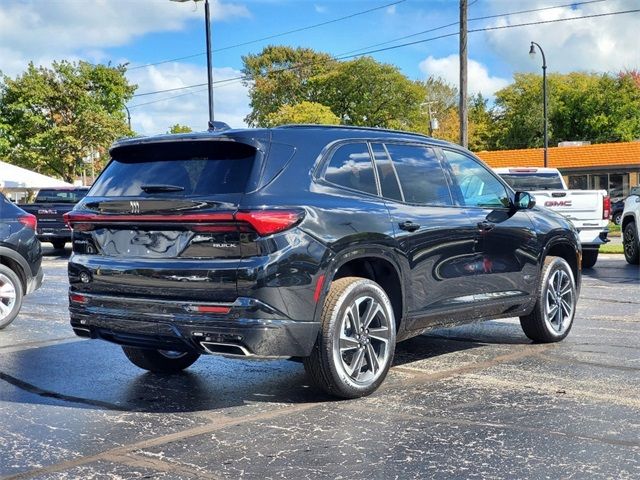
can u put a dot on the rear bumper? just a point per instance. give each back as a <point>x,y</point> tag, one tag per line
<point>48,234</point>
<point>250,328</point>
<point>593,237</point>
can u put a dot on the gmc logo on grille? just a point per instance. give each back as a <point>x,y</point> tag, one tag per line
<point>557,203</point>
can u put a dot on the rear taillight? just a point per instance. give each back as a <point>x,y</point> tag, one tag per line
<point>606,208</point>
<point>29,221</point>
<point>264,222</point>
<point>268,222</point>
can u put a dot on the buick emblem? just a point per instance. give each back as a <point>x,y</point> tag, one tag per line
<point>135,207</point>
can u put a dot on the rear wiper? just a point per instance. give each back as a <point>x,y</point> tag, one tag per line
<point>161,188</point>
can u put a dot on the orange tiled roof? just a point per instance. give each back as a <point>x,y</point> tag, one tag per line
<point>602,155</point>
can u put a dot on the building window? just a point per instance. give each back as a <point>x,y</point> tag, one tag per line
<point>578,182</point>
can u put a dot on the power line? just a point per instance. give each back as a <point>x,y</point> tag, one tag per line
<point>486,17</point>
<point>269,37</point>
<point>340,56</point>
<point>393,47</point>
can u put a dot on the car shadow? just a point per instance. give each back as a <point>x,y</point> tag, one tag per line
<point>93,374</point>
<point>56,253</point>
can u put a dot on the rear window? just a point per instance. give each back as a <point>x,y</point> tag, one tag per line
<point>60,196</point>
<point>188,168</point>
<point>533,181</point>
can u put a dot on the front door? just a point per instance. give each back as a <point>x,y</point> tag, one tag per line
<point>505,262</point>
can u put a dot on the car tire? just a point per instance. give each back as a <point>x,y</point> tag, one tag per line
<point>617,218</point>
<point>552,316</point>
<point>631,244</point>
<point>58,244</point>
<point>11,293</point>
<point>355,346</point>
<point>160,361</point>
<point>589,258</point>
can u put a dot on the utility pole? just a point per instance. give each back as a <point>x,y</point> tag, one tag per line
<point>464,120</point>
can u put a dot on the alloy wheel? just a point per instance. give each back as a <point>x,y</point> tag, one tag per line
<point>7,296</point>
<point>559,301</point>
<point>630,243</point>
<point>362,350</point>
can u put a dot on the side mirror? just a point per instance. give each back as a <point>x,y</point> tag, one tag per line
<point>524,201</point>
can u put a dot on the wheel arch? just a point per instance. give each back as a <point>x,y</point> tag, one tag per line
<point>626,220</point>
<point>377,264</point>
<point>565,249</point>
<point>16,263</point>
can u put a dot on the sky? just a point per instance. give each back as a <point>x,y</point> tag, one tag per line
<point>142,33</point>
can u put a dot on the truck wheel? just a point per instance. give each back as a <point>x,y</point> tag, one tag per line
<point>11,294</point>
<point>58,244</point>
<point>160,361</point>
<point>631,244</point>
<point>552,316</point>
<point>355,346</point>
<point>589,258</point>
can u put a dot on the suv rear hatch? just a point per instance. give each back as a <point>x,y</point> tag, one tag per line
<point>161,222</point>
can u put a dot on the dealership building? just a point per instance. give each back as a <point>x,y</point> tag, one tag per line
<point>614,167</point>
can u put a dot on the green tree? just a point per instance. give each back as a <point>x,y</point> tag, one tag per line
<point>303,112</point>
<point>278,76</point>
<point>368,93</point>
<point>581,106</point>
<point>51,118</point>
<point>177,128</point>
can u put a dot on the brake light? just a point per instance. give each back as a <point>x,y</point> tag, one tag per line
<point>264,222</point>
<point>29,221</point>
<point>210,309</point>
<point>77,298</point>
<point>606,208</point>
<point>268,222</point>
<point>523,170</point>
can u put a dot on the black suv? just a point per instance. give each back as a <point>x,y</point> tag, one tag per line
<point>20,258</point>
<point>325,243</point>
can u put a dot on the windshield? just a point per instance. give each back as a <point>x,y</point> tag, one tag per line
<point>179,169</point>
<point>523,182</point>
<point>60,196</point>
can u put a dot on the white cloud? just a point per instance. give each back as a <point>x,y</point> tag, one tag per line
<point>479,79</point>
<point>391,10</point>
<point>44,30</point>
<point>187,107</point>
<point>320,8</point>
<point>608,43</point>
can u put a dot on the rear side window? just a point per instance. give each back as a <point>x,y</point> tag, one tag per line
<point>188,168</point>
<point>351,167</point>
<point>386,173</point>
<point>421,176</point>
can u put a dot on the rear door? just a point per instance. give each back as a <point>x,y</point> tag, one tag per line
<point>434,236</point>
<point>159,222</point>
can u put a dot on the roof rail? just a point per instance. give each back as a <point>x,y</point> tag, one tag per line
<point>350,127</point>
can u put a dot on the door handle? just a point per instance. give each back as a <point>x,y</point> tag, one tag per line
<point>485,226</point>
<point>409,226</point>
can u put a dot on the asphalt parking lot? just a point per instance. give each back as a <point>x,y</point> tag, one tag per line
<point>479,401</point>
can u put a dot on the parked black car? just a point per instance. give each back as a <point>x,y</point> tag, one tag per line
<point>326,243</point>
<point>20,258</point>
<point>49,207</point>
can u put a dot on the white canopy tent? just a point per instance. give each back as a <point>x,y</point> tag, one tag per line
<point>18,178</point>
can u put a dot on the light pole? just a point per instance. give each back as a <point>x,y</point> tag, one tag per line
<point>532,53</point>
<point>207,22</point>
<point>128,115</point>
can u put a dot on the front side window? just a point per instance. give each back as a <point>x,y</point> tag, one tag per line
<point>477,186</point>
<point>421,176</point>
<point>351,167</point>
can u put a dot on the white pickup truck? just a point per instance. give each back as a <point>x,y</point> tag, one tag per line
<point>588,210</point>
